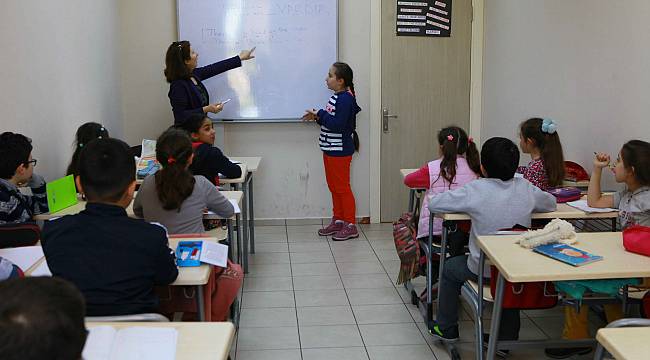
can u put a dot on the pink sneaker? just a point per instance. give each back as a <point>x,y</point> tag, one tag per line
<point>348,231</point>
<point>334,227</point>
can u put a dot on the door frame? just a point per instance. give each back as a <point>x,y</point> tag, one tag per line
<point>475,97</point>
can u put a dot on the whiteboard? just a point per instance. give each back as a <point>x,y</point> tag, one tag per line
<point>296,43</point>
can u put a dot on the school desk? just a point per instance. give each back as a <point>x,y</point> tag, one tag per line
<point>415,194</point>
<point>242,183</point>
<point>252,164</point>
<point>517,264</point>
<point>626,343</point>
<point>196,341</point>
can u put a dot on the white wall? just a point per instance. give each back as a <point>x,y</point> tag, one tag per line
<point>291,181</point>
<point>584,63</point>
<point>59,69</point>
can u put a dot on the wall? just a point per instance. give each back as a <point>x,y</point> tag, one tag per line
<point>291,181</point>
<point>59,69</point>
<point>583,63</point>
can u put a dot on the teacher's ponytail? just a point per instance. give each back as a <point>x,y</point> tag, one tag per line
<point>175,68</point>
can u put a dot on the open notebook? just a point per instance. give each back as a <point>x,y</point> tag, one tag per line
<point>132,343</point>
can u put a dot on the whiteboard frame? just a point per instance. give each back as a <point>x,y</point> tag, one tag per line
<point>261,120</point>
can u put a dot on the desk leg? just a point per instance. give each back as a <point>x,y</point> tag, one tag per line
<point>200,303</point>
<point>496,318</point>
<point>429,303</point>
<point>411,200</point>
<point>251,218</point>
<point>443,250</point>
<point>233,244</point>
<point>241,241</point>
<point>244,214</point>
<point>614,224</point>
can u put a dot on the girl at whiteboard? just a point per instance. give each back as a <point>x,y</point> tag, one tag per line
<point>339,140</point>
<point>187,94</point>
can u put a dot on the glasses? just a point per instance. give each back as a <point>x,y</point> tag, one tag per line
<point>32,161</point>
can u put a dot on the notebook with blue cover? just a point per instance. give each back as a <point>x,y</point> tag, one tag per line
<point>567,254</point>
<point>61,193</point>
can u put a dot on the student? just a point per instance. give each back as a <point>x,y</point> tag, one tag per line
<point>458,164</point>
<point>632,167</point>
<point>339,140</point>
<point>114,260</point>
<point>208,160</point>
<point>539,138</point>
<point>41,318</point>
<point>17,169</point>
<point>8,270</point>
<point>495,202</point>
<point>176,198</point>
<point>173,196</point>
<point>187,94</point>
<point>85,134</point>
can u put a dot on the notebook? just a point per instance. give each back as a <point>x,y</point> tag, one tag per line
<point>61,193</point>
<point>131,343</point>
<point>567,254</point>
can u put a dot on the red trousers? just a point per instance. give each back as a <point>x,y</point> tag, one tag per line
<point>337,174</point>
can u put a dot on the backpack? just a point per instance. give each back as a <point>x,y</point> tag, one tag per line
<point>566,194</point>
<point>406,244</point>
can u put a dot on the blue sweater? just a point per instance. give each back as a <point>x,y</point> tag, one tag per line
<point>338,121</point>
<point>184,95</point>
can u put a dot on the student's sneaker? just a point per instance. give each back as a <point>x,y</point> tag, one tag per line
<point>500,353</point>
<point>563,353</point>
<point>450,335</point>
<point>331,229</point>
<point>348,231</point>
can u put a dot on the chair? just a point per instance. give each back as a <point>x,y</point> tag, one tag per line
<point>600,351</point>
<point>147,317</point>
<point>17,235</point>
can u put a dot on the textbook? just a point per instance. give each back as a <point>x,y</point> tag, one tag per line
<point>193,253</point>
<point>567,254</point>
<point>137,342</point>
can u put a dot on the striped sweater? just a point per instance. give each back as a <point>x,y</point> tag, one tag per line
<point>338,121</point>
<point>18,208</point>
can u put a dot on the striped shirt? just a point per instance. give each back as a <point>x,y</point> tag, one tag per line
<point>338,122</point>
<point>16,207</point>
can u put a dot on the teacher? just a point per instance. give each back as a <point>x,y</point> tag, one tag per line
<point>187,94</point>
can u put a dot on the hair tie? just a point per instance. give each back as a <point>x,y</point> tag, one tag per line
<point>81,145</point>
<point>470,140</point>
<point>450,137</point>
<point>171,160</point>
<point>548,126</point>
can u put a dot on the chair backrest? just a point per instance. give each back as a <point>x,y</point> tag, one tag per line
<point>148,317</point>
<point>16,235</point>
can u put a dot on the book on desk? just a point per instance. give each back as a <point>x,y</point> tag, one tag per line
<point>567,254</point>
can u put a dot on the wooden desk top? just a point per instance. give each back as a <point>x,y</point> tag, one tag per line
<point>196,340</point>
<point>251,162</point>
<point>523,265</point>
<point>238,180</point>
<point>405,172</point>
<point>196,275</point>
<point>626,343</point>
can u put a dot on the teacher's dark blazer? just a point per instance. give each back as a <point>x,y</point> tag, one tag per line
<point>185,98</point>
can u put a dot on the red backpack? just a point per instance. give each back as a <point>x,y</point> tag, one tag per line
<point>406,244</point>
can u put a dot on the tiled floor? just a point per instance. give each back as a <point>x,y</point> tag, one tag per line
<point>307,297</point>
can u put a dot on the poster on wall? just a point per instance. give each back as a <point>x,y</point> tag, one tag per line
<point>430,18</point>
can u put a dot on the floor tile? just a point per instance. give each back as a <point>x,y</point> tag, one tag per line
<point>312,257</point>
<point>268,317</point>
<point>383,244</point>
<point>268,270</point>
<point>324,282</point>
<point>271,247</point>
<point>293,354</point>
<point>321,298</point>
<point>355,256</point>
<point>360,267</point>
<point>270,238</point>
<point>309,247</point>
<point>349,353</point>
<point>268,338</point>
<point>306,237</point>
<point>391,334</point>
<point>410,352</point>
<point>330,336</point>
<point>325,315</point>
<point>268,299</point>
<point>381,314</point>
<point>314,221</point>
<point>366,281</point>
<point>381,296</point>
<point>260,230</point>
<point>268,284</point>
<point>268,258</point>
<point>314,269</point>
<point>303,228</point>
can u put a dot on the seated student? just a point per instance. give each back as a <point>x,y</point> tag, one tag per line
<point>85,134</point>
<point>8,270</point>
<point>114,260</point>
<point>495,202</point>
<point>17,169</point>
<point>176,198</point>
<point>632,168</point>
<point>208,161</point>
<point>539,138</point>
<point>41,318</point>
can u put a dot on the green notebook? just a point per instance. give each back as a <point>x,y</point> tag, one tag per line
<point>61,193</point>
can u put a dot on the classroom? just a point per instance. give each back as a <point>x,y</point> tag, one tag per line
<point>299,215</point>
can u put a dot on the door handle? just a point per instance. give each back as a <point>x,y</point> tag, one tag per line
<point>385,117</point>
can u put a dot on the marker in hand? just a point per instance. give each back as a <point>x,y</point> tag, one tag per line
<point>225,101</point>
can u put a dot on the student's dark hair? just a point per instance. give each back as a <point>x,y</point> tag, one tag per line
<point>500,157</point>
<point>636,154</point>
<point>175,68</point>
<point>14,151</point>
<point>106,169</point>
<point>454,142</point>
<point>550,148</point>
<point>344,71</point>
<point>192,123</point>
<point>41,318</point>
<point>85,134</point>
<point>174,182</point>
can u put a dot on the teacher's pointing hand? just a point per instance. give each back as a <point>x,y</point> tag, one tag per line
<point>247,54</point>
